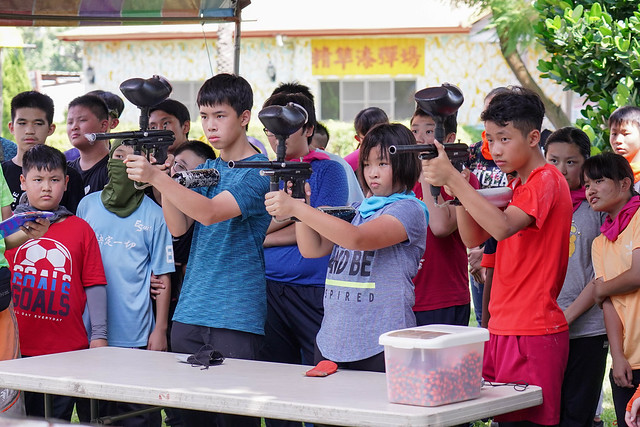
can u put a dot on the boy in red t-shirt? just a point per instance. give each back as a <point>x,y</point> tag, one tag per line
<point>529,334</point>
<point>55,277</point>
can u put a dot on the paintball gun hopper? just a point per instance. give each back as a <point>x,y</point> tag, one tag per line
<point>439,102</point>
<point>282,121</point>
<point>143,93</point>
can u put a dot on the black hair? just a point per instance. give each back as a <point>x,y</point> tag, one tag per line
<point>496,91</point>
<point>322,131</point>
<point>43,157</point>
<point>607,165</point>
<point>115,104</point>
<point>283,98</point>
<point>294,87</point>
<point>570,135</point>
<point>201,149</point>
<point>229,89</point>
<point>94,103</point>
<point>175,108</point>
<point>450,122</point>
<point>520,106</point>
<point>368,118</point>
<point>628,114</point>
<point>33,99</point>
<point>406,167</point>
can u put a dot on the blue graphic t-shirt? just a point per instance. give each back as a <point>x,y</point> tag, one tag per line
<point>368,293</point>
<point>224,286</point>
<point>131,249</point>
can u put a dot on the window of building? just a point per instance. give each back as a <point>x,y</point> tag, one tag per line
<point>343,99</point>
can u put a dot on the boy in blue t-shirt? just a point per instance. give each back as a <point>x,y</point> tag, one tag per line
<point>134,243</point>
<point>223,297</point>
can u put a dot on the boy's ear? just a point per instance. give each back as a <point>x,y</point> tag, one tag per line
<point>245,117</point>
<point>52,129</point>
<point>66,182</point>
<point>450,139</point>
<point>114,123</point>
<point>308,131</point>
<point>22,182</point>
<point>104,125</point>
<point>10,125</point>
<point>186,127</point>
<point>533,138</point>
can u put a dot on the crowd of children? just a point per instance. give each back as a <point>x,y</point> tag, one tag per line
<point>239,274</point>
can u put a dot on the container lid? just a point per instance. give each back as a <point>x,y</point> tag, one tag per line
<point>434,336</point>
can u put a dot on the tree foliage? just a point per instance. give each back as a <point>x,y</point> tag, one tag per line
<point>14,80</point>
<point>50,54</point>
<point>595,51</point>
<point>513,22</point>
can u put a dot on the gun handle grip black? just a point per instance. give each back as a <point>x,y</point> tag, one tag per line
<point>297,189</point>
<point>274,184</point>
<point>435,192</point>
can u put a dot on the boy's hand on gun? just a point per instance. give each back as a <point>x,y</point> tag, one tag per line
<point>139,169</point>
<point>36,229</point>
<point>439,171</point>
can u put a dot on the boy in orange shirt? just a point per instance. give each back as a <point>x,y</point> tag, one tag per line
<point>529,334</point>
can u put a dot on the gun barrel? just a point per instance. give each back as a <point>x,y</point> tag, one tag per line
<point>270,165</point>
<point>137,134</point>
<point>414,148</point>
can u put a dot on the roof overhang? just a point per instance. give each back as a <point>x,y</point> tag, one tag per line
<point>117,12</point>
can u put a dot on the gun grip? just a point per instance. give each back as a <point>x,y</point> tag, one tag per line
<point>435,192</point>
<point>297,189</point>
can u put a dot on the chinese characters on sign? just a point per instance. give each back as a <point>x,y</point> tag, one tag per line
<point>388,56</point>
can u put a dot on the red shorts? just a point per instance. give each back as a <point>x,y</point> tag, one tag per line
<point>536,360</point>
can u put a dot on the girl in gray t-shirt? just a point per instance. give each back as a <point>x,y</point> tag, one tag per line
<point>368,289</point>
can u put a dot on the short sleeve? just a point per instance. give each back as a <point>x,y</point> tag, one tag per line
<point>537,196</point>
<point>162,259</point>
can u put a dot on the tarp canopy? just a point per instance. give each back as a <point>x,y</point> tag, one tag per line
<point>117,12</point>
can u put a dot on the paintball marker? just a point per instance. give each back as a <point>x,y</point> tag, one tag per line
<point>282,121</point>
<point>144,94</point>
<point>439,102</point>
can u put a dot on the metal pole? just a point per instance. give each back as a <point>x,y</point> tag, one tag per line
<point>236,52</point>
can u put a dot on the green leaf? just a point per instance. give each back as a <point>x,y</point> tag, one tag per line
<point>577,13</point>
<point>622,43</point>
<point>605,31</point>
<point>589,131</point>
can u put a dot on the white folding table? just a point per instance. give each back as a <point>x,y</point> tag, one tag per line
<point>271,390</point>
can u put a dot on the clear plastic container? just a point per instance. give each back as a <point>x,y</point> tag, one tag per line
<point>434,365</point>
